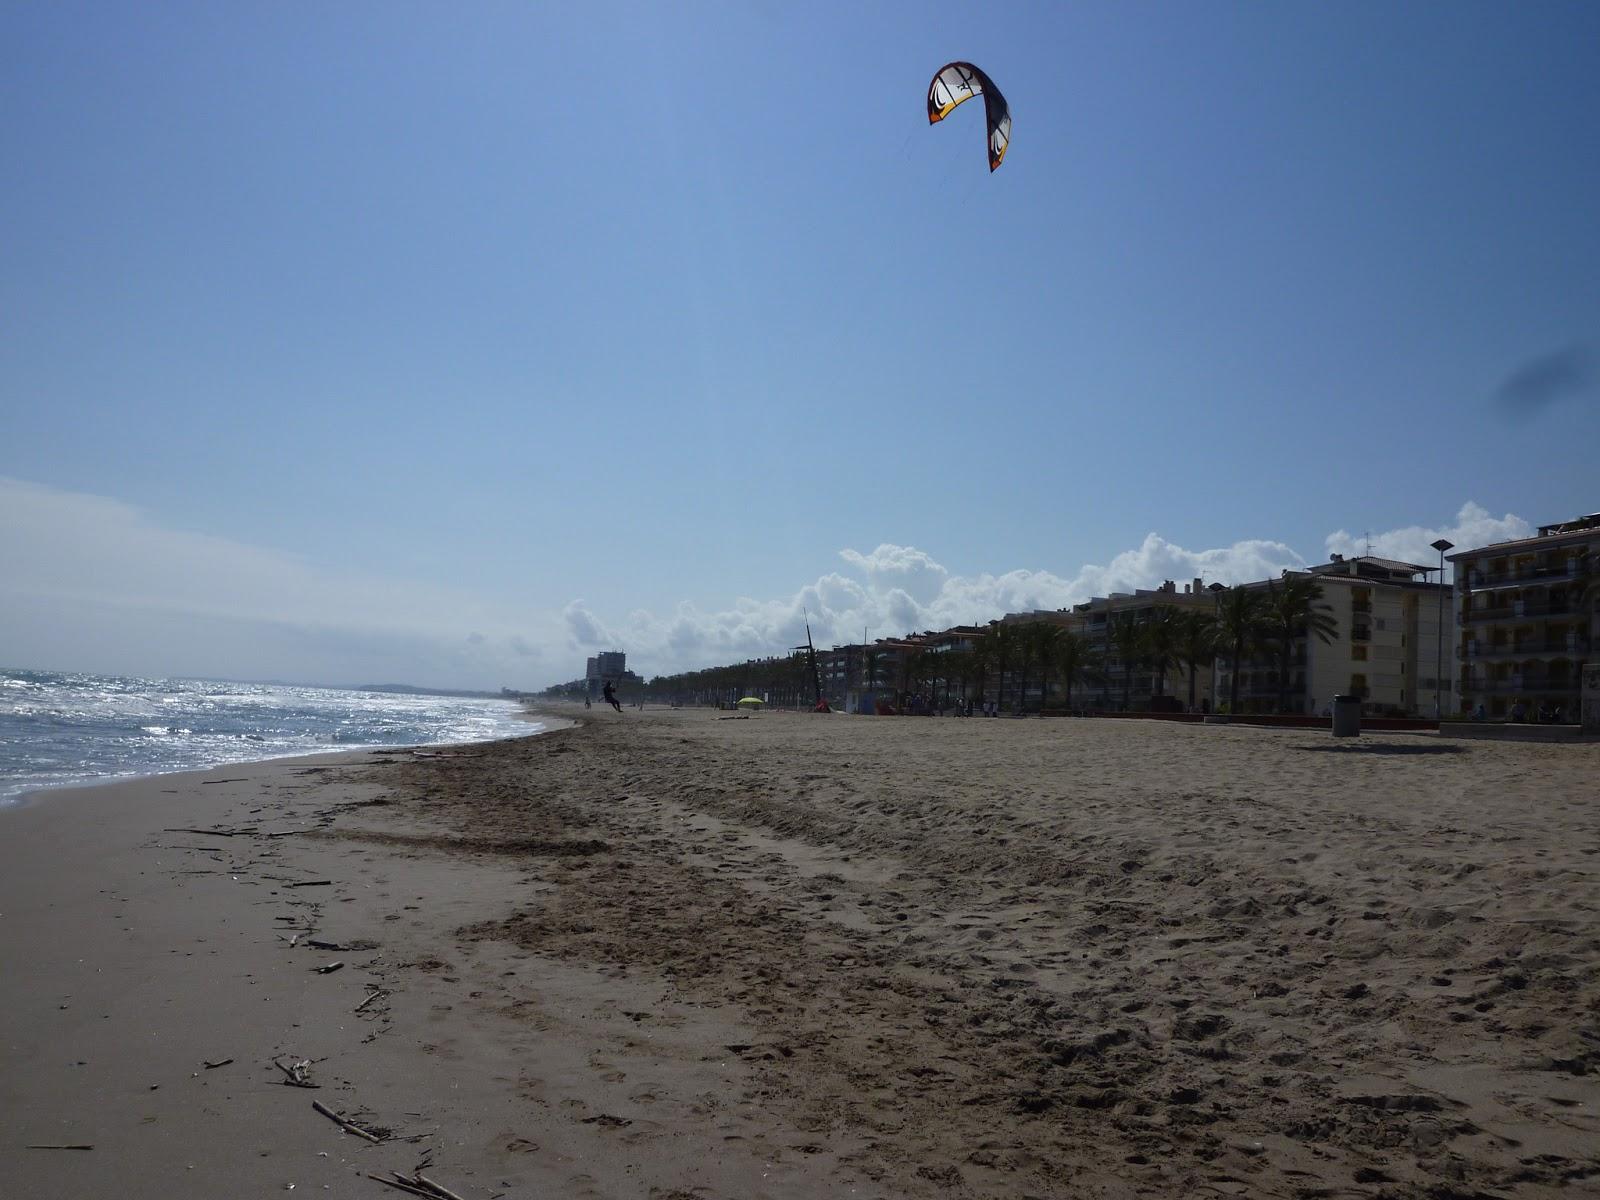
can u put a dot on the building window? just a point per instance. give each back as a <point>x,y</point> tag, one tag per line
<point>1358,653</point>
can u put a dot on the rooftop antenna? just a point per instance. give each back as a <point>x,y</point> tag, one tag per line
<point>1369,544</point>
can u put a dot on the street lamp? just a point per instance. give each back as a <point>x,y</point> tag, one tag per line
<point>1438,663</point>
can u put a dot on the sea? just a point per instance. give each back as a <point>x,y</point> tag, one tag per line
<point>62,729</point>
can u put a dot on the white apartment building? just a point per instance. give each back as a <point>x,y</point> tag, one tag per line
<point>1393,629</point>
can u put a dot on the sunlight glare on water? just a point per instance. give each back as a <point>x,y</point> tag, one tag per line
<point>65,728</point>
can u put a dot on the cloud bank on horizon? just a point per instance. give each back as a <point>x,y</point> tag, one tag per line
<point>901,589</point>
<point>95,584</point>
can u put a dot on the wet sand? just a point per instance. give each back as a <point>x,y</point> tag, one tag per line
<point>669,955</point>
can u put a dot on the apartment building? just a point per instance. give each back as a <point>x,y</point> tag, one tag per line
<point>609,665</point>
<point>1527,624</point>
<point>1133,684</point>
<point>1392,630</point>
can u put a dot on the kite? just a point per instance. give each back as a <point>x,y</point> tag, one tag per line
<point>957,82</point>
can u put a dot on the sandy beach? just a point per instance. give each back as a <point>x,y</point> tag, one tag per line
<point>676,954</point>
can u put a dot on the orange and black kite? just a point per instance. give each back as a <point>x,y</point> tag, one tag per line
<point>957,82</point>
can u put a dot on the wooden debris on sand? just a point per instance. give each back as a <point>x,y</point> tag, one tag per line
<point>418,1185</point>
<point>347,1126</point>
<point>211,832</point>
<point>298,1075</point>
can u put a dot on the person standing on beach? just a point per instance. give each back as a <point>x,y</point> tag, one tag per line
<point>611,696</point>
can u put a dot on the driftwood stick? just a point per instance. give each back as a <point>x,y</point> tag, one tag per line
<point>444,1192</point>
<point>67,1146</point>
<point>212,1066</point>
<point>209,832</point>
<point>330,968</point>
<point>344,1124</point>
<point>396,1183</point>
<point>310,883</point>
<point>369,1000</point>
<point>296,1077</point>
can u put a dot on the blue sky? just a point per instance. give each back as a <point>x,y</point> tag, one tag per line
<point>439,343</point>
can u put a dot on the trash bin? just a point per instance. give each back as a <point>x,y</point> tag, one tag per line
<point>1346,716</point>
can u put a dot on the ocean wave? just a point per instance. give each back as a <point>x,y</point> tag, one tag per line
<point>61,728</point>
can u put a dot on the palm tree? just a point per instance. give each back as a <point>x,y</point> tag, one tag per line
<point>1196,645</point>
<point>1127,639</point>
<point>802,684</point>
<point>1161,644</point>
<point>1001,640</point>
<point>979,658</point>
<point>1033,647</point>
<point>911,668</point>
<point>948,668</point>
<point>1294,609</point>
<point>1239,630</point>
<point>871,668</point>
<point>1045,637</point>
<point>1076,661</point>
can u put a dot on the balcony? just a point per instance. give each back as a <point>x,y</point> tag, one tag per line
<point>1360,606</point>
<point>1360,633</point>
<point>1534,647</point>
<point>1536,576</point>
<point>1517,610</point>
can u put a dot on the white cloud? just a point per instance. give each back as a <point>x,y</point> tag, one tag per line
<point>900,589</point>
<point>1474,527</point>
<point>900,566</point>
<point>583,627</point>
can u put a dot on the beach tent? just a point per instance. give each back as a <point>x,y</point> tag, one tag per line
<point>751,702</point>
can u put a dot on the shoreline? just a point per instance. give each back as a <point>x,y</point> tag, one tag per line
<point>39,795</point>
<point>654,954</point>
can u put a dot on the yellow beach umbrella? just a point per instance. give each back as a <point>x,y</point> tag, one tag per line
<point>751,702</point>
